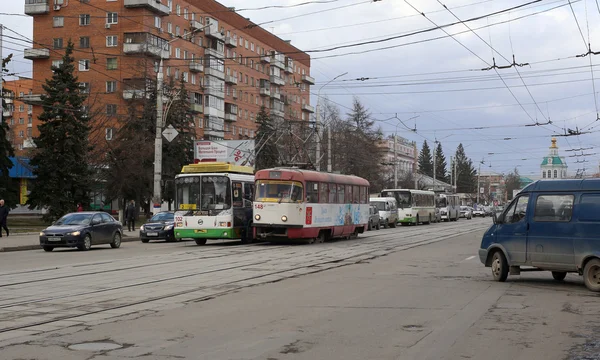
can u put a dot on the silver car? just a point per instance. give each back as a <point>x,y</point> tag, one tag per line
<point>466,212</point>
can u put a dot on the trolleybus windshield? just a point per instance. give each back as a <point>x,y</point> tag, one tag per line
<point>204,193</point>
<point>441,202</point>
<point>279,191</point>
<point>403,198</point>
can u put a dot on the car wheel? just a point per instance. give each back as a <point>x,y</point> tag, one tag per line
<point>116,242</point>
<point>393,224</point>
<point>200,241</point>
<point>48,248</point>
<point>87,243</point>
<point>559,275</point>
<point>591,275</point>
<point>378,226</point>
<point>499,266</point>
<point>145,240</point>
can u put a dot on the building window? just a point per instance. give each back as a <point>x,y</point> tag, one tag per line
<point>185,13</point>
<point>177,30</point>
<point>169,28</point>
<point>178,10</point>
<point>111,41</point>
<point>58,21</point>
<point>111,109</point>
<point>170,4</point>
<point>157,22</point>
<point>56,63</point>
<point>21,121</point>
<point>58,43</point>
<point>21,133</point>
<point>185,76</point>
<point>108,134</point>
<point>21,108</point>
<point>28,132</point>
<point>84,65</point>
<point>252,46</point>
<point>185,54</point>
<point>29,108</point>
<point>111,64</point>
<point>111,86</point>
<point>84,42</point>
<point>112,18</point>
<point>178,53</point>
<point>555,174</point>
<point>85,87</point>
<point>84,19</point>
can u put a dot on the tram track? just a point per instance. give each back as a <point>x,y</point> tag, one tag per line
<point>390,245</point>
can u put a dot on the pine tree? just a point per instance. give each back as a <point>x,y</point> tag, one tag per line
<point>267,155</point>
<point>63,176</point>
<point>8,187</point>
<point>425,160</point>
<point>467,175</point>
<point>440,164</point>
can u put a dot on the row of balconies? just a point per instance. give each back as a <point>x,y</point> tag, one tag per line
<point>38,7</point>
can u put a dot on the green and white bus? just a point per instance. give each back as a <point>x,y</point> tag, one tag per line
<point>214,202</point>
<point>414,206</point>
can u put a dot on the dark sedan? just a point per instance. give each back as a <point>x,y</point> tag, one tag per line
<point>159,227</point>
<point>82,230</point>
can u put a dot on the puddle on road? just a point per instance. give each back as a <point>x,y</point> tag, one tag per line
<point>95,346</point>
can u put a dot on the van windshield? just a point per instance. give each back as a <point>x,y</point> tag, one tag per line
<point>379,205</point>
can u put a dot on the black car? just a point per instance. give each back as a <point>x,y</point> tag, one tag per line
<point>82,230</point>
<point>159,227</point>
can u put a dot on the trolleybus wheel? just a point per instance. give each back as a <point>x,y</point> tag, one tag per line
<point>417,221</point>
<point>200,241</point>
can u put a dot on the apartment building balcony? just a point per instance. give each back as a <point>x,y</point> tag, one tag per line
<point>36,7</point>
<point>229,79</point>
<point>214,112</point>
<point>277,112</point>
<point>29,112</point>
<point>197,108</point>
<point>230,42</point>
<point>214,90</point>
<point>214,52</point>
<point>196,67</point>
<point>277,80</point>
<point>196,25</point>
<point>265,59</point>
<point>289,69</point>
<point>7,113</point>
<point>130,94</point>
<point>230,117</point>
<point>275,95</point>
<point>145,43</point>
<point>9,99</point>
<point>214,72</point>
<point>28,143</point>
<point>153,5</point>
<point>32,99</point>
<point>213,32</point>
<point>143,48</point>
<point>308,79</point>
<point>308,108</point>
<point>265,92</point>
<point>278,63</point>
<point>33,54</point>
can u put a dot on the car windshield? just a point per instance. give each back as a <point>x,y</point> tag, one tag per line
<point>379,205</point>
<point>163,216</point>
<point>464,208</point>
<point>75,219</point>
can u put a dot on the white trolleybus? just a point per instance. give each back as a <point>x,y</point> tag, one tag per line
<point>414,206</point>
<point>214,201</point>
<point>449,205</point>
<point>309,206</point>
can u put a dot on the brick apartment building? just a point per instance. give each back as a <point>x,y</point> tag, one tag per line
<point>17,114</point>
<point>231,66</point>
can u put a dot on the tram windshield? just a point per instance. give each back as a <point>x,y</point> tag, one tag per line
<point>279,191</point>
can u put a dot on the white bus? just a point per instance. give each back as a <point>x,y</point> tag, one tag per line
<point>449,206</point>
<point>414,206</point>
<point>214,201</point>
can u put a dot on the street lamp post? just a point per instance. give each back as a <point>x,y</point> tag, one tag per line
<point>318,124</point>
<point>157,195</point>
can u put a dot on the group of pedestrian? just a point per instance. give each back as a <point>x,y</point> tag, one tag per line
<point>3,216</point>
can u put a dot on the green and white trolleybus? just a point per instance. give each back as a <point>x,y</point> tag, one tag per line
<point>414,206</point>
<point>214,201</point>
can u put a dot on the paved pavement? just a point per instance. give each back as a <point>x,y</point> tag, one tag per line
<point>31,241</point>
<point>406,293</point>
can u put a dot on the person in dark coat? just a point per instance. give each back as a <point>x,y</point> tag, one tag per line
<point>130,215</point>
<point>3,216</point>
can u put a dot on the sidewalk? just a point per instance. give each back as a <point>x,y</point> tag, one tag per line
<point>31,241</point>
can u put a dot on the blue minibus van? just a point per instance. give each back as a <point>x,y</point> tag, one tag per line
<point>551,225</point>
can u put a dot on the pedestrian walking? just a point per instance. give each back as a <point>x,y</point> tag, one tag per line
<point>79,208</point>
<point>3,216</point>
<point>130,215</point>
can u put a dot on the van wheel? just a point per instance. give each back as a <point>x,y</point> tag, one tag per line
<point>499,266</point>
<point>378,226</point>
<point>393,224</point>
<point>591,275</point>
<point>559,275</point>
<point>200,241</point>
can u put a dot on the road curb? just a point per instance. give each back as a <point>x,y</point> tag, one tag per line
<point>37,247</point>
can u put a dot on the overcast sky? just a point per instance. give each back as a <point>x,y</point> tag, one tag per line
<point>441,80</point>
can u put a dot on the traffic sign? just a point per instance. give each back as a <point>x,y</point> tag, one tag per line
<point>170,133</point>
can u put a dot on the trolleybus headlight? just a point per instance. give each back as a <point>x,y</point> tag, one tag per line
<point>284,218</point>
<point>257,217</point>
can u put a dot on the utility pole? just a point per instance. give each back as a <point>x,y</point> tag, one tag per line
<point>395,162</point>
<point>478,177</point>
<point>434,148</point>
<point>455,175</point>
<point>318,131</point>
<point>451,171</point>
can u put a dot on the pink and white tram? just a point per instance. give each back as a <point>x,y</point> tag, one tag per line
<point>296,204</point>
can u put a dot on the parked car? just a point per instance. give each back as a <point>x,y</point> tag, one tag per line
<point>82,230</point>
<point>466,212</point>
<point>159,227</point>
<point>480,211</point>
<point>374,219</point>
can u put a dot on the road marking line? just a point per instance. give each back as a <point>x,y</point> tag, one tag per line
<point>470,258</point>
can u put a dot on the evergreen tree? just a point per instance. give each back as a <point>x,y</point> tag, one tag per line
<point>267,155</point>
<point>60,162</point>
<point>467,175</point>
<point>8,187</point>
<point>512,181</point>
<point>440,164</point>
<point>425,160</point>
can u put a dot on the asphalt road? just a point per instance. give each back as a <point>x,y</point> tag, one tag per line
<point>406,293</point>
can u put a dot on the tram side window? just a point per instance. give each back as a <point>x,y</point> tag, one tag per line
<point>324,193</point>
<point>312,192</point>
<point>332,193</point>
<point>355,194</point>
<point>341,192</point>
<point>348,194</point>
<point>363,194</point>
<point>238,196</point>
<point>248,194</point>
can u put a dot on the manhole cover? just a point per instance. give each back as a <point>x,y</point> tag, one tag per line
<point>95,346</point>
